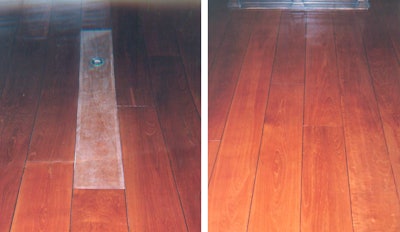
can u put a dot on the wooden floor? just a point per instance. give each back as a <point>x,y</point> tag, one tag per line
<point>157,75</point>
<point>304,119</point>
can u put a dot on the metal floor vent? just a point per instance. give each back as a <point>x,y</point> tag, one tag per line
<point>301,4</point>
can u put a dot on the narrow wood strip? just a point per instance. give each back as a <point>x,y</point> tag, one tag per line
<point>152,198</point>
<point>44,200</point>
<point>224,73</point>
<point>231,186</point>
<point>99,210</point>
<point>385,73</point>
<point>131,71</point>
<point>375,205</point>
<point>325,187</point>
<point>180,123</point>
<point>98,150</point>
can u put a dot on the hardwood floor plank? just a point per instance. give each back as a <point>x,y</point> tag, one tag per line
<point>276,199</point>
<point>98,210</point>
<point>277,191</point>
<point>132,81</point>
<point>159,31</point>
<point>231,186</point>
<point>96,14</point>
<point>224,73</point>
<point>180,123</point>
<point>152,198</point>
<point>325,187</point>
<point>385,73</point>
<point>375,204</point>
<point>189,42</point>
<point>35,19</point>
<point>58,104</point>
<point>44,200</point>
<point>18,104</point>
<point>65,19</point>
<point>213,147</point>
<point>322,94</point>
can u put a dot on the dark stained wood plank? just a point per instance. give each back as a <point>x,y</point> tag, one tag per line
<point>18,105</point>
<point>189,41</point>
<point>231,186</point>
<point>44,200</point>
<point>98,210</point>
<point>152,198</point>
<point>131,72</point>
<point>66,19</point>
<point>96,14</point>
<point>159,30</point>
<point>277,191</point>
<point>224,73</point>
<point>325,187</point>
<point>35,19</point>
<point>213,146</point>
<point>322,94</point>
<point>385,73</point>
<point>58,103</point>
<point>375,204</point>
<point>180,123</point>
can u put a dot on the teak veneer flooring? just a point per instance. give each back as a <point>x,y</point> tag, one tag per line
<point>303,120</point>
<point>157,80</point>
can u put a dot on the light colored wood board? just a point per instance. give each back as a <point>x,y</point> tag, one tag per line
<point>99,210</point>
<point>224,73</point>
<point>53,137</point>
<point>231,185</point>
<point>98,162</point>
<point>277,192</point>
<point>44,199</point>
<point>96,14</point>
<point>213,146</point>
<point>10,180</point>
<point>385,73</point>
<point>35,19</point>
<point>181,127</point>
<point>375,204</point>
<point>152,198</point>
<point>322,93</point>
<point>325,201</point>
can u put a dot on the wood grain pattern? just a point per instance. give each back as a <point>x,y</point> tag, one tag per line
<point>276,198</point>
<point>385,74</point>
<point>98,210</point>
<point>231,186</point>
<point>213,147</point>
<point>131,71</point>
<point>50,185</point>
<point>35,20</point>
<point>152,198</point>
<point>180,123</point>
<point>224,73</point>
<point>322,94</point>
<point>325,187</point>
<point>375,206</point>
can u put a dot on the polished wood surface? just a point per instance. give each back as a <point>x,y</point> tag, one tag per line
<point>325,155</point>
<point>160,125</point>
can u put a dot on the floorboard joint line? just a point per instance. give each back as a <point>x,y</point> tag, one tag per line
<point>98,162</point>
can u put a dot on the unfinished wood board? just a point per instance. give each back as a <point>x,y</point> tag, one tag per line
<point>98,162</point>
